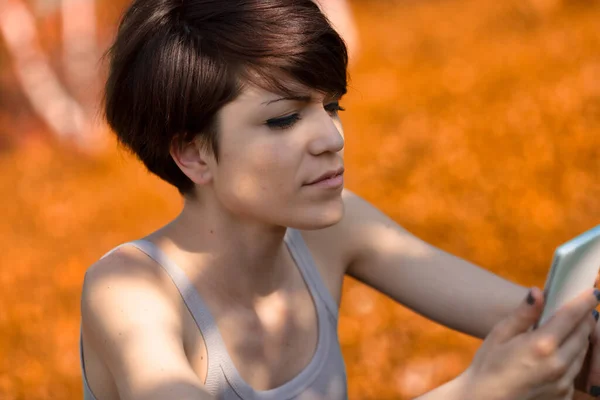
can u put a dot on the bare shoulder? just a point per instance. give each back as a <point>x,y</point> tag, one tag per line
<point>122,282</point>
<point>133,323</point>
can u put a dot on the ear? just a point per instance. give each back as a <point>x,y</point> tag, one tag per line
<point>194,160</point>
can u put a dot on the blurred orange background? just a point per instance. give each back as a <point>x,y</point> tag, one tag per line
<point>474,124</point>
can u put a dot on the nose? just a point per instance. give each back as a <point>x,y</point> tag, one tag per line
<point>328,137</point>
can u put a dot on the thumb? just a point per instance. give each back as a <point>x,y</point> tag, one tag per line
<point>522,318</point>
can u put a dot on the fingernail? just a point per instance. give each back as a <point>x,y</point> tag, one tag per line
<point>597,294</point>
<point>595,391</point>
<point>596,314</point>
<point>530,299</point>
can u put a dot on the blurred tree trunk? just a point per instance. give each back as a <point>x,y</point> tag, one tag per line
<point>340,15</point>
<point>80,50</point>
<point>49,98</point>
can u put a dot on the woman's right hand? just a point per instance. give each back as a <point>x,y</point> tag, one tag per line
<point>516,363</point>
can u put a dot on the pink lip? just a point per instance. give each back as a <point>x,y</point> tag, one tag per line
<point>327,175</point>
<point>330,183</point>
<point>330,179</point>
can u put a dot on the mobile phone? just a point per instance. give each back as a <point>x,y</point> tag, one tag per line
<point>574,269</point>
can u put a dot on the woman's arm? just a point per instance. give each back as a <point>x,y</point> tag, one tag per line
<point>438,285</point>
<point>135,328</point>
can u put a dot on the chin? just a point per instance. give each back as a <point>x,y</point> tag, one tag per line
<point>318,216</point>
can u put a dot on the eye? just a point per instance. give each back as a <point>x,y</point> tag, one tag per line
<point>284,122</point>
<point>334,108</point>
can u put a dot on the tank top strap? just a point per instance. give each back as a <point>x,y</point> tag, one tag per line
<point>87,391</point>
<point>195,305</point>
<point>308,268</point>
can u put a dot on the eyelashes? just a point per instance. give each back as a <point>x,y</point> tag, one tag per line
<point>334,108</point>
<point>283,123</point>
<point>287,122</point>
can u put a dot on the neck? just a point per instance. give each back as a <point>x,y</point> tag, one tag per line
<point>242,259</point>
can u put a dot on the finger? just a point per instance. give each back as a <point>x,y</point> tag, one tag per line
<point>596,332</point>
<point>522,318</point>
<point>571,393</point>
<point>575,366</point>
<point>581,381</point>
<point>551,392</point>
<point>569,378</point>
<point>568,316</point>
<point>577,343</point>
<point>561,386</point>
<point>593,378</point>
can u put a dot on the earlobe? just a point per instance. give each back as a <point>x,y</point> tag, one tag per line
<point>193,160</point>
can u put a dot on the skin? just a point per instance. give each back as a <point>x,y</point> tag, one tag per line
<point>228,239</point>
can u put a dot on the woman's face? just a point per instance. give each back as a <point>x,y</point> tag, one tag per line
<point>272,149</point>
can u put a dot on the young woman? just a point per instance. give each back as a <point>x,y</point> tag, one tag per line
<point>236,104</point>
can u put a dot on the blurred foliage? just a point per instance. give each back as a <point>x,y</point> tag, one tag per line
<point>474,124</point>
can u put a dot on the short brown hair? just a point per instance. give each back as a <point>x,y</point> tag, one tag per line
<point>175,63</point>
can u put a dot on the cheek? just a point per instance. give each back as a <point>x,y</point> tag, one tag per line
<point>260,176</point>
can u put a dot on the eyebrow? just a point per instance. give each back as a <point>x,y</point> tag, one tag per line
<point>302,98</point>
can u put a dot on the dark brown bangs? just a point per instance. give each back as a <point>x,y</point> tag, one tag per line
<point>294,42</point>
<point>324,71</point>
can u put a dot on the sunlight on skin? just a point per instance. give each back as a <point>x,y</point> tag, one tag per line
<point>272,312</point>
<point>418,250</point>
